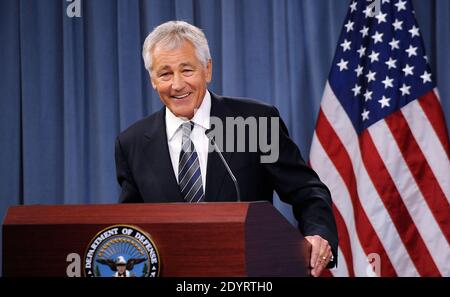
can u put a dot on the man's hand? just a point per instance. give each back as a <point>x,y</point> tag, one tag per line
<point>320,254</point>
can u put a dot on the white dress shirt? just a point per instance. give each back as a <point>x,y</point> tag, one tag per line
<point>175,133</point>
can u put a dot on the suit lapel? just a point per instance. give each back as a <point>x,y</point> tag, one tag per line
<point>216,171</point>
<point>157,154</point>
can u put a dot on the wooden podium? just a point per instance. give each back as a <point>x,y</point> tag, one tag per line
<point>204,239</point>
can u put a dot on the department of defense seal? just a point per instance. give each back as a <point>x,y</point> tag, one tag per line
<point>121,251</point>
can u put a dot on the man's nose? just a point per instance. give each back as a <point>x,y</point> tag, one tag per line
<point>178,82</point>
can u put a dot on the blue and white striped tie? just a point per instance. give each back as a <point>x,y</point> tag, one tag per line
<point>189,175</point>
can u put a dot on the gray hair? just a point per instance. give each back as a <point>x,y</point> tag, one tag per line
<point>171,35</point>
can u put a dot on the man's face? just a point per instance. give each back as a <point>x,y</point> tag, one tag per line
<point>180,78</point>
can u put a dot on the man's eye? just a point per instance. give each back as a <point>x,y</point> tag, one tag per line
<point>187,71</point>
<point>165,76</point>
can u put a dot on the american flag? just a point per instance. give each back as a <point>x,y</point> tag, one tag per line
<point>381,145</point>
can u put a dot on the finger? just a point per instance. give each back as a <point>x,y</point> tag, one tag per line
<point>322,266</point>
<point>315,249</point>
<point>324,257</point>
<point>318,269</point>
<point>322,247</point>
<point>328,254</point>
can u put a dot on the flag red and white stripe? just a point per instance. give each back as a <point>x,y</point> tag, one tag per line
<point>390,187</point>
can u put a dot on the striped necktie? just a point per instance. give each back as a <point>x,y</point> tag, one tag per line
<point>189,175</point>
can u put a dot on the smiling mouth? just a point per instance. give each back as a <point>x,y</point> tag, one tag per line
<point>181,96</point>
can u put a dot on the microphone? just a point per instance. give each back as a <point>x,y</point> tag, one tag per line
<point>216,148</point>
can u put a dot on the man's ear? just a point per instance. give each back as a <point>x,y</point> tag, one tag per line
<point>209,71</point>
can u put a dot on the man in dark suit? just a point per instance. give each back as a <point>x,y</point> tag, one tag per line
<point>167,157</point>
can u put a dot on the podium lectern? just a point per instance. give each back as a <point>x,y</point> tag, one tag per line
<point>203,239</point>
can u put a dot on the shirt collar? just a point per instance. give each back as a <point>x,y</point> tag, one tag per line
<point>201,117</point>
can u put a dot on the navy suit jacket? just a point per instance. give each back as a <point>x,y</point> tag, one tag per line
<point>145,172</point>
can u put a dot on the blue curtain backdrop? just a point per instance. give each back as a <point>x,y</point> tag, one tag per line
<point>69,85</point>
